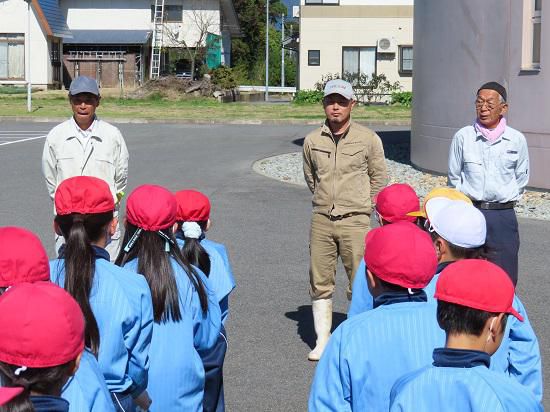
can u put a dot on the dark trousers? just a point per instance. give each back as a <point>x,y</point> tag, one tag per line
<point>213,368</point>
<point>503,240</point>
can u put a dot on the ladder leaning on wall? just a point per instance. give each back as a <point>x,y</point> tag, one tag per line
<point>158,20</point>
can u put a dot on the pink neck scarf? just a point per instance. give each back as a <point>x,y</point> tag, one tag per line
<point>492,134</point>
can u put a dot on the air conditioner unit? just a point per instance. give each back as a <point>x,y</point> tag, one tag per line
<point>386,45</point>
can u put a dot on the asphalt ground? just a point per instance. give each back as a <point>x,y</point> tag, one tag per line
<point>264,224</point>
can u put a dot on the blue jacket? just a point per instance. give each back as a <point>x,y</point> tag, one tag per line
<point>361,299</point>
<point>220,277</point>
<point>176,375</point>
<point>122,306</point>
<point>367,353</point>
<point>459,380</point>
<point>519,353</point>
<point>87,390</point>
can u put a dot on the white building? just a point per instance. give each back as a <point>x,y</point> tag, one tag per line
<point>47,32</point>
<point>356,36</point>
<point>109,40</point>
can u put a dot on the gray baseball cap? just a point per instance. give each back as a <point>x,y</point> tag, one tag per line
<point>83,84</point>
<point>340,87</point>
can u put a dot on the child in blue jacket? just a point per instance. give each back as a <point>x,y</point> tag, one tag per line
<point>367,353</point>
<point>186,311</point>
<point>116,303</point>
<point>193,218</point>
<point>474,300</point>
<point>24,259</point>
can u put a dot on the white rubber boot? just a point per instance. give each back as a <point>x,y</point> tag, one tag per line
<point>322,319</point>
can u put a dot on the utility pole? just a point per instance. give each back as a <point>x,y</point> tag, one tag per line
<point>28,62</point>
<point>282,50</point>
<point>266,50</point>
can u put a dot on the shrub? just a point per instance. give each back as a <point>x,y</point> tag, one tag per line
<point>367,89</point>
<point>224,77</point>
<point>308,96</point>
<point>402,98</point>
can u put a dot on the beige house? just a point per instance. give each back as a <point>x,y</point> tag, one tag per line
<point>356,36</point>
<point>462,44</point>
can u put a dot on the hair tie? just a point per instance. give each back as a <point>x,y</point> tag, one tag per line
<point>191,230</point>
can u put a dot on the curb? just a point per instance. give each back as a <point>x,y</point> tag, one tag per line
<point>259,122</point>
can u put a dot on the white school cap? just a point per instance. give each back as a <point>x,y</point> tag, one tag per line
<point>457,222</point>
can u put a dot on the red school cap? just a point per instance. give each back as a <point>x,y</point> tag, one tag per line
<point>401,254</point>
<point>477,284</point>
<point>41,326</point>
<point>193,206</point>
<point>151,208</point>
<point>22,257</point>
<point>395,201</point>
<point>83,194</point>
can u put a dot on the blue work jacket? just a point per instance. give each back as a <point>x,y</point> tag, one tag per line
<point>367,353</point>
<point>87,390</point>
<point>176,375</point>
<point>220,277</point>
<point>459,381</point>
<point>518,356</point>
<point>123,309</point>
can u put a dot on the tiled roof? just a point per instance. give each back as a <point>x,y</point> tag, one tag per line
<point>56,24</point>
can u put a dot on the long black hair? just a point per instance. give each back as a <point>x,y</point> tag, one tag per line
<point>154,263</point>
<point>79,232</point>
<point>45,381</point>
<point>194,252</point>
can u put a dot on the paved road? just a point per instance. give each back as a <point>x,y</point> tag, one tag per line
<point>265,225</point>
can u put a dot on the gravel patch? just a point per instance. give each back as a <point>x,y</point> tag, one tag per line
<point>288,168</point>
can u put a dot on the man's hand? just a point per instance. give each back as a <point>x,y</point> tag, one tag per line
<point>143,401</point>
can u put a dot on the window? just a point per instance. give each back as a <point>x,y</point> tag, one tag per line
<point>313,57</point>
<point>531,42</point>
<point>536,32</point>
<point>322,2</point>
<point>12,56</point>
<point>405,59</point>
<point>357,61</point>
<point>172,14</point>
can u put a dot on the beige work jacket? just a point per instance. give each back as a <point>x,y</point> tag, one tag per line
<point>105,156</point>
<point>344,177</point>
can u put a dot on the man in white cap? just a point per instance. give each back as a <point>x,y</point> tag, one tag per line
<point>344,167</point>
<point>86,146</point>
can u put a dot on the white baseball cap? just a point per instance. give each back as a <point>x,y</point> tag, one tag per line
<point>340,87</point>
<point>457,222</point>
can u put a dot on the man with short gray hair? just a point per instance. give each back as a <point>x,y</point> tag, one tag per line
<point>86,146</point>
<point>344,167</point>
<point>489,163</point>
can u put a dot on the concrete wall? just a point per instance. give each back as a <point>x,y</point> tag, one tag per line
<point>13,19</point>
<point>459,45</point>
<point>329,28</point>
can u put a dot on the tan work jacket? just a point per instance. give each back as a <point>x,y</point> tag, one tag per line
<point>344,177</point>
<point>104,157</point>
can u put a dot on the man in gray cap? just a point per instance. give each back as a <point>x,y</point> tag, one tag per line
<point>86,146</point>
<point>344,167</point>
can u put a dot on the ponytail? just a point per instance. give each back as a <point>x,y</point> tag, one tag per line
<point>79,232</point>
<point>155,265</point>
<point>44,381</point>
<point>195,254</point>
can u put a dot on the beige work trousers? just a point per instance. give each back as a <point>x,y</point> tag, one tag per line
<point>329,239</point>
